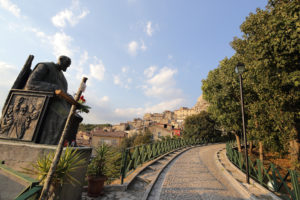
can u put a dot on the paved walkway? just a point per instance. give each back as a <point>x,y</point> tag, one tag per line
<point>194,175</point>
<point>197,174</point>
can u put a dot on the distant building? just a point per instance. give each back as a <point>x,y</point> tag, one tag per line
<point>99,137</point>
<point>83,138</point>
<point>121,127</point>
<point>183,112</point>
<point>160,130</point>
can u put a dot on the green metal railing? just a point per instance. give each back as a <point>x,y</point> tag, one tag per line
<point>136,156</point>
<point>33,189</point>
<point>270,178</point>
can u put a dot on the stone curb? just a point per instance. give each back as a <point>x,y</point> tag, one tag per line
<point>150,186</point>
<point>241,188</point>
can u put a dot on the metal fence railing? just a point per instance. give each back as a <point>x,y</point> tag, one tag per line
<point>136,156</point>
<point>283,181</point>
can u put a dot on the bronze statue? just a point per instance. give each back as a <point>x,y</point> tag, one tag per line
<point>48,76</point>
<point>32,111</point>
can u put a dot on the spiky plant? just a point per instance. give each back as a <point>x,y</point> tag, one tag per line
<point>68,163</point>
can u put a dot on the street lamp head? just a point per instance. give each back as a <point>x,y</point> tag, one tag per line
<point>240,68</point>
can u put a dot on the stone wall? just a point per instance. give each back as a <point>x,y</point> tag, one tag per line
<point>18,155</point>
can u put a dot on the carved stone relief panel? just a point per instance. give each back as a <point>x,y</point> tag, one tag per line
<point>21,117</point>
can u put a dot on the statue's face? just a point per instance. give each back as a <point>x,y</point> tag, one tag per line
<point>64,63</point>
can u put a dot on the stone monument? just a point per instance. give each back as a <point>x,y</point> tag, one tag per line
<point>32,111</point>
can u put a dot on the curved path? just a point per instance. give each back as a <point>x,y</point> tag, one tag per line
<point>194,175</point>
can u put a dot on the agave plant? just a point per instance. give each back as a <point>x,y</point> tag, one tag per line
<point>68,163</point>
<point>107,163</point>
<point>98,166</point>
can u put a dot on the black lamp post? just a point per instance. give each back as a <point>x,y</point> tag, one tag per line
<point>240,68</point>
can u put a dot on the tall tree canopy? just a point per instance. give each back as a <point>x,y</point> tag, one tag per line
<point>270,50</point>
<point>200,126</point>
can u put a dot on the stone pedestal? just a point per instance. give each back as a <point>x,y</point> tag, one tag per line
<point>19,154</point>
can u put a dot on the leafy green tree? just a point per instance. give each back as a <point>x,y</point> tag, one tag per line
<point>270,49</point>
<point>221,90</point>
<point>200,126</point>
<point>89,127</point>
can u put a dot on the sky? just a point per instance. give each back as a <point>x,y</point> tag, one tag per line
<point>139,56</point>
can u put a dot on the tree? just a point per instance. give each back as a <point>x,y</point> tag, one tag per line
<point>221,90</point>
<point>270,49</point>
<point>89,127</point>
<point>200,126</point>
<point>144,137</point>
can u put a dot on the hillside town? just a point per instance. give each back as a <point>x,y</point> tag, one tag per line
<point>137,129</point>
<point>165,124</point>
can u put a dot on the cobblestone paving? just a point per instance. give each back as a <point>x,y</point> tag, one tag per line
<point>194,175</point>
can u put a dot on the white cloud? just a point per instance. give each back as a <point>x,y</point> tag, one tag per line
<point>150,71</point>
<point>149,29</point>
<point>60,19</point>
<point>10,73</point>
<point>83,58</point>
<point>61,44</point>
<point>130,113</point>
<point>13,8</point>
<point>72,15</point>
<point>133,48</point>
<point>79,68</point>
<point>164,77</point>
<point>104,99</point>
<point>122,81</point>
<point>125,69</point>
<point>162,85</point>
<point>97,70</point>
<point>117,80</point>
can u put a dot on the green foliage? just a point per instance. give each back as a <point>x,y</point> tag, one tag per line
<point>143,138</point>
<point>221,90</point>
<point>89,127</point>
<point>137,139</point>
<point>165,138</point>
<point>98,166</point>
<point>114,159</point>
<point>269,48</point>
<point>69,162</point>
<point>128,141</point>
<point>200,126</point>
<point>107,162</point>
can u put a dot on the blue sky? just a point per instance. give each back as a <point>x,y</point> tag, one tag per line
<point>139,56</point>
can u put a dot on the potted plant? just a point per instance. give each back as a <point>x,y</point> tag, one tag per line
<point>68,163</point>
<point>96,173</point>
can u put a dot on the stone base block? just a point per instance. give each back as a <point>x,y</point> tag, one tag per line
<point>19,155</point>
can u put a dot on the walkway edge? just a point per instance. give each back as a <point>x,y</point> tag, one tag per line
<point>241,188</point>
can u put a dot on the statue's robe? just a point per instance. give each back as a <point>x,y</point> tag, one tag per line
<point>47,77</point>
